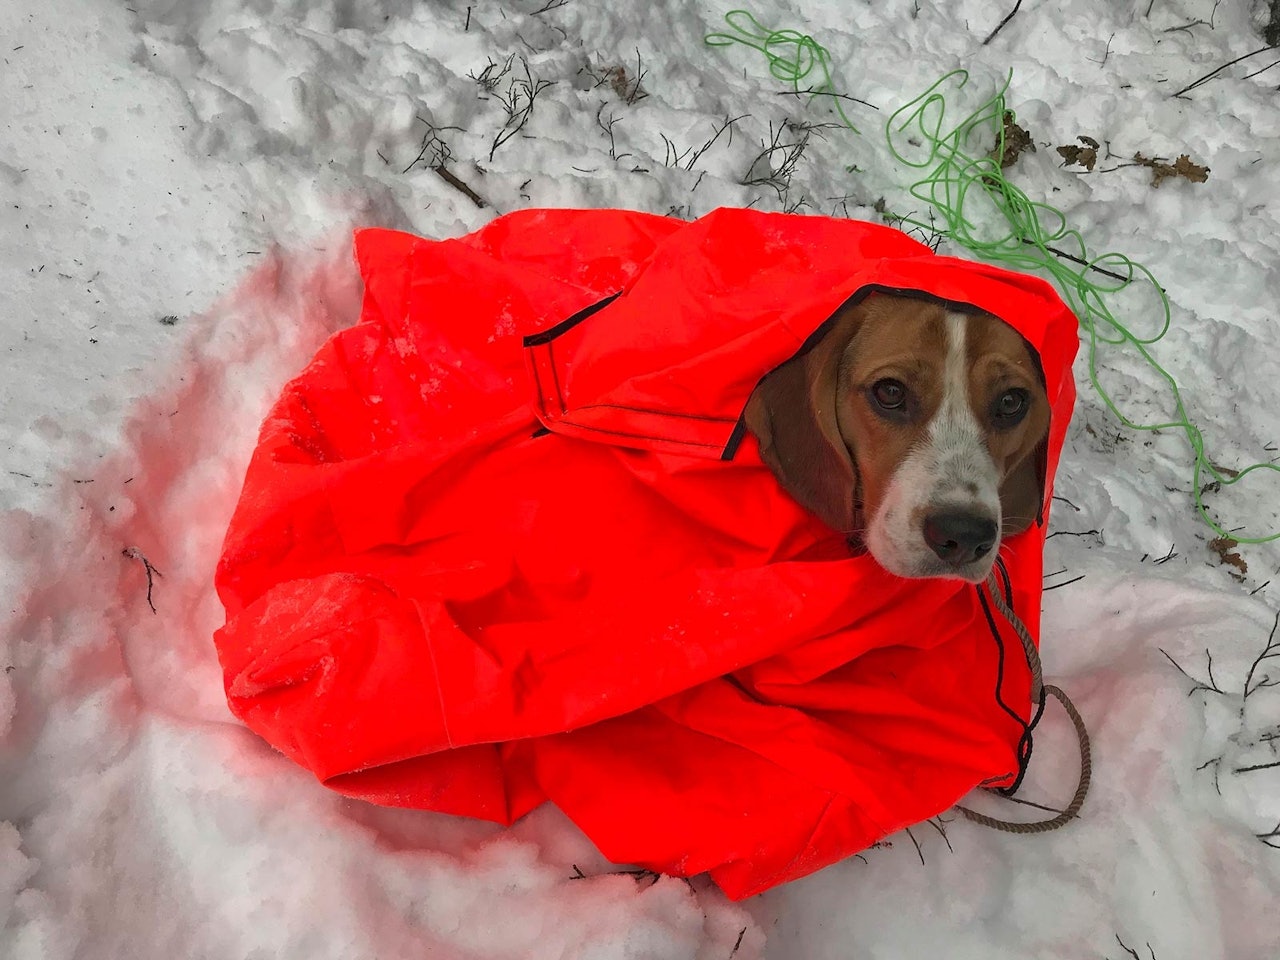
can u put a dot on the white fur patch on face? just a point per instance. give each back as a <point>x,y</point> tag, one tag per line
<point>948,472</point>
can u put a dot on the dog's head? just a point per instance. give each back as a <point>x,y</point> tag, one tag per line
<point>914,428</point>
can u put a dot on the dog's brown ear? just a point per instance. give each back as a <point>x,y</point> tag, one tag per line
<point>792,413</point>
<point>1022,493</point>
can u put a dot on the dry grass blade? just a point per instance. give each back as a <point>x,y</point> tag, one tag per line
<point>492,74</point>
<point>689,157</point>
<point>606,126</point>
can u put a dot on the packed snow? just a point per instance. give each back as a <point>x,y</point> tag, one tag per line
<point>179,184</point>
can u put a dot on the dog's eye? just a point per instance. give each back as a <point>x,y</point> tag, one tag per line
<point>889,394</point>
<point>1010,407</point>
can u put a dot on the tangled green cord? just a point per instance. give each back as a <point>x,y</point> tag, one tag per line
<point>792,55</point>
<point>1032,237</point>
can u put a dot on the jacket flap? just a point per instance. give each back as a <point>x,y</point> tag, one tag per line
<point>670,362</point>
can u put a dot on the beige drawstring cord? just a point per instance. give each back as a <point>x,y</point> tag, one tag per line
<point>1038,689</point>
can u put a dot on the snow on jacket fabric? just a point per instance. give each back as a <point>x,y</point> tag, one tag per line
<point>505,541</point>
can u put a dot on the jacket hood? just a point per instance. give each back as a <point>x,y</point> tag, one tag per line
<point>669,359</point>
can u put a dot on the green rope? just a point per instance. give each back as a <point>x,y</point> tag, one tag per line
<point>792,55</point>
<point>988,215</point>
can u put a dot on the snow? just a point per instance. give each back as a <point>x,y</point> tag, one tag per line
<point>179,182</point>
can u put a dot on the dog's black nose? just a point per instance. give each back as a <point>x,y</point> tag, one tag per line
<point>960,538</point>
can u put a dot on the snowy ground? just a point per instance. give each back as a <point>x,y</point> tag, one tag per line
<point>179,180</point>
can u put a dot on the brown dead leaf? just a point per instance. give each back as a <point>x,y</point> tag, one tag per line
<point>1016,141</point>
<point>1224,547</point>
<point>626,86</point>
<point>1182,167</point>
<point>1085,156</point>
<point>617,77</point>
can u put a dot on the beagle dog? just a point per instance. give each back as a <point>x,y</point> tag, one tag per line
<point>913,428</point>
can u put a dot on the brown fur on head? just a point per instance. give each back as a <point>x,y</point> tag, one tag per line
<point>921,422</point>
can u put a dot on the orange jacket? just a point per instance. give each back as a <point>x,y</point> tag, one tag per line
<point>506,541</point>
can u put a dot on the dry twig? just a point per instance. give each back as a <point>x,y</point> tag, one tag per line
<point>776,163</point>
<point>1211,686</point>
<point>1230,63</point>
<point>447,176</point>
<point>518,101</point>
<point>1271,838</point>
<point>811,92</point>
<point>1000,26</point>
<point>133,553</point>
<point>1272,649</point>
